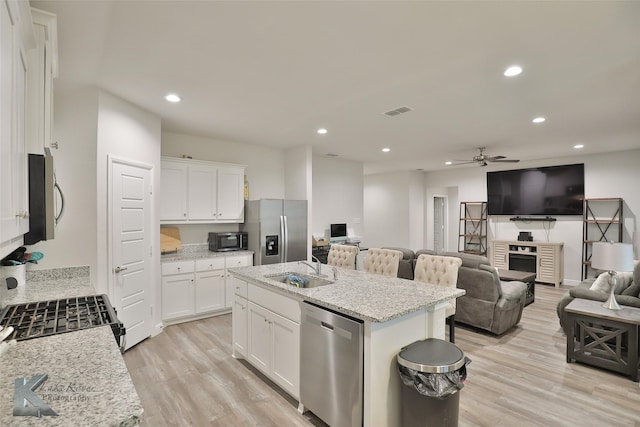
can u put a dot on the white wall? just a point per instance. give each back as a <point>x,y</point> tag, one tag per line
<point>126,132</point>
<point>75,127</point>
<point>337,195</point>
<point>387,216</point>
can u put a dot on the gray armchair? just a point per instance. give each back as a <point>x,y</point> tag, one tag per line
<point>489,303</point>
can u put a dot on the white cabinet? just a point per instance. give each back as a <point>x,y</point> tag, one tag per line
<point>16,39</point>
<point>173,197</point>
<point>274,347</point>
<point>193,289</point>
<point>201,192</point>
<point>546,259</point>
<point>272,343</point>
<point>230,262</point>
<point>239,318</point>
<point>43,68</point>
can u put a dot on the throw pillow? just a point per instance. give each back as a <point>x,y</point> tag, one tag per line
<point>601,284</point>
<point>633,290</point>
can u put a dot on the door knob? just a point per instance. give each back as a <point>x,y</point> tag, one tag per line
<point>119,269</point>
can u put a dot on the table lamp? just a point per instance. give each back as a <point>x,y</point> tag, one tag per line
<point>612,257</point>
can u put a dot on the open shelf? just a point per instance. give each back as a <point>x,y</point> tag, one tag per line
<point>472,237</point>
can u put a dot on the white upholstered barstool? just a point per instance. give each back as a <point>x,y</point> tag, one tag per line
<point>442,271</point>
<point>382,261</point>
<point>343,256</point>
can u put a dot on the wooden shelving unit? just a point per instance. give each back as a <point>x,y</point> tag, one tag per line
<point>472,237</point>
<point>602,222</point>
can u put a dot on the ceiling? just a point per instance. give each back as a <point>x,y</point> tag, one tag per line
<point>272,72</point>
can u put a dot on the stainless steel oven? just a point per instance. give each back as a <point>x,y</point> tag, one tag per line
<point>234,241</point>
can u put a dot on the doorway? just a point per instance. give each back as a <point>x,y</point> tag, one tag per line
<point>439,223</point>
<point>130,246</point>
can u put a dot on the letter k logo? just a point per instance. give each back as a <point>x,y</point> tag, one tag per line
<point>25,402</point>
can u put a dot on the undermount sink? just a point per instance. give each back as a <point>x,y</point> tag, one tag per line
<point>299,280</point>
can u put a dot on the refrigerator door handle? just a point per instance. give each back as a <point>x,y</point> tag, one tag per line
<point>283,242</point>
<point>286,240</point>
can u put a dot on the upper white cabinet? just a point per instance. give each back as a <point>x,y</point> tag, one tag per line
<point>16,39</point>
<point>43,68</point>
<point>201,192</point>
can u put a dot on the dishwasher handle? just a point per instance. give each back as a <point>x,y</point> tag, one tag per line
<point>325,325</point>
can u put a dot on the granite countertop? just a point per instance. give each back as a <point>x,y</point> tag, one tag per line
<point>370,297</point>
<point>88,383</point>
<point>52,284</point>
<point>198,251</point>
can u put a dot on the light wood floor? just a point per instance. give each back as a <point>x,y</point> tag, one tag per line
<point>186,376</point>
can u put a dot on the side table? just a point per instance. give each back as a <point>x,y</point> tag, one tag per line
<point>522,276</point>
<point>601,337</point>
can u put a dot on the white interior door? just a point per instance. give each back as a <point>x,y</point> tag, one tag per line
<point>130,266</point>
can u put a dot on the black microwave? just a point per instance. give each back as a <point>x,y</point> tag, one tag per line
<point>235,241</point>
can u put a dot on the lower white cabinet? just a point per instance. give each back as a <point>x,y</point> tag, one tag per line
<point>192,289</point>
<point>265,337</point>
<point>177,296</point>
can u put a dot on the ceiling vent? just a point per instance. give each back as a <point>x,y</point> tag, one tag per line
<point>397,111</point>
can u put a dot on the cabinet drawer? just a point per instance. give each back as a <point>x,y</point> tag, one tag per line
<point>210,264</point>
<point>239,261</point>
<point>240,287</point>
<point>177,267</point>
<point>279,304</point>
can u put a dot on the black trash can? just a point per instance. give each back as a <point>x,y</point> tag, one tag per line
<point>433,372</point>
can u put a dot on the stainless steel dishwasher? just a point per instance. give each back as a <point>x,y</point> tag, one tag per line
<point>331,366</point>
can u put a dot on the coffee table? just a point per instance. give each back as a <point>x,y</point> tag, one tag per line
<point>602,337</point>
<point>522,276</point>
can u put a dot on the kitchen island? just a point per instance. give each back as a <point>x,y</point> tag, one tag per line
<point>395,312</point>
<point>87,380</point>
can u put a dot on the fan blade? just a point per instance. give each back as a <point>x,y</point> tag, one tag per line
<point>494,158</point>
<point>462,162</point>
<point>505,161</point>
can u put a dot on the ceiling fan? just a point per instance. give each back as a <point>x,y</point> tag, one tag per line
<point>483,160</point>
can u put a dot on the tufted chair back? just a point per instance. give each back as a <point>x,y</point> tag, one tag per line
<point>343,256</point>
<point>439,270</point>
<point>382,261</point>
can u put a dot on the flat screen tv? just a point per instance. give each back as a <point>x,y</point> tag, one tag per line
<point>553,190</point>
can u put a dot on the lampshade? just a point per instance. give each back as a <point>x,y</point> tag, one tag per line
<point>612,256</point>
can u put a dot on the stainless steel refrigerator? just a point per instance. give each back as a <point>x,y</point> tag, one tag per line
<point>276,230</point>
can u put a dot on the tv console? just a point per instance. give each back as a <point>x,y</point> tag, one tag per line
<point>545,259</point>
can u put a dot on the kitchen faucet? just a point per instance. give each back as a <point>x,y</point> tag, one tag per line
<point>316,268</point>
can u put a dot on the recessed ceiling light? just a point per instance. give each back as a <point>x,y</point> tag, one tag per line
<point>578,146</point>
<point>539,120</point>
<point>514,70</point>
<point>448,163</point>
<point>322,131</point>
<point>386,150</point>
<point>172,97</point>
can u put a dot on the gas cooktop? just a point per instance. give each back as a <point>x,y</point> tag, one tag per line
<point>45,318</point>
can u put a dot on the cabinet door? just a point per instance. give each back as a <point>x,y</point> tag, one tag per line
<point>231,194</point>
<point>286,354</point>
<point>259,337</point>
<point>546,270</point>
<point>177,296</point>
<point>501,255</point>
<point>202,193</point>
<point>21,177</point>
<point>239,322</point>
<point>173,191</point>
<point>209,291</point>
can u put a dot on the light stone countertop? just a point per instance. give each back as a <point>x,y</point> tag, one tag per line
<point>370,297</point>
<point>89,359</point>
<point>88,383</point>
<point>50,285</point>
<point>198,251</point>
